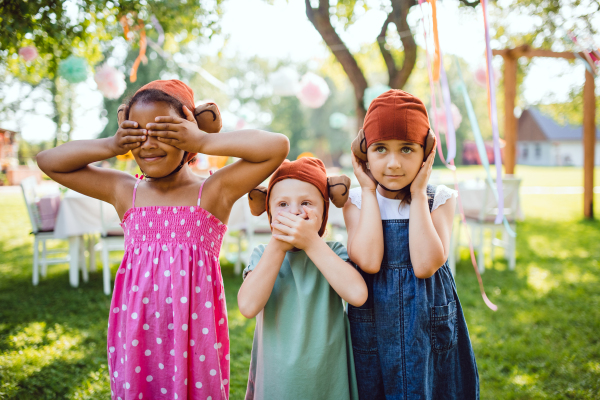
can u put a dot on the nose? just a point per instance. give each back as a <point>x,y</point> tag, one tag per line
<point>394,161</point>
<point>296,209</point>
<point>151,142</point>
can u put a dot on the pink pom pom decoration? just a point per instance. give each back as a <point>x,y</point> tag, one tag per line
<point>313,90</point>
<point>440,116</point>
<point>110,81</point>
<point>28,53</point>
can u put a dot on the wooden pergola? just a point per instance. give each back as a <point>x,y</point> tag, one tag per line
<point>510,57</point>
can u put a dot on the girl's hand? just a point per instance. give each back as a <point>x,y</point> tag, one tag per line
<point>297,230</point>
<point>364,176</point>
<point>128,137</point>
<point>419,185</point>
<point>280,244</point>
<point>181,133</point>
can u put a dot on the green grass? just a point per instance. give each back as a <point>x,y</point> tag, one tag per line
<point>542,343</point>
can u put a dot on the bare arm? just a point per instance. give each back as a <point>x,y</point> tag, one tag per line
<point>68,164</point>
<point>429,235</point>
<point>258,285</point>
<point>342,276</point>
<point>365,231</point>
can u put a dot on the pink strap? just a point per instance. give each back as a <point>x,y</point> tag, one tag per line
<point>200,193</point>
<point>135,190</point>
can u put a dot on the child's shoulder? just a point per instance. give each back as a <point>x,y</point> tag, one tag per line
<point>339,249</point>
<point>355,196</point>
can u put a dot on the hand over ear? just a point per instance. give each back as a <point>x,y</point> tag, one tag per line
<point>257,198</point>
<point>208,117</point>
<point>339,187</point>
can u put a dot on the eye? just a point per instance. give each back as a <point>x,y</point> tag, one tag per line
<point>306,203</point>
<point>282,204</point>
<point>381,149</point>
<point>406,150</point>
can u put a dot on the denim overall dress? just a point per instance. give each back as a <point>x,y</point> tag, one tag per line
<point>410,339</point>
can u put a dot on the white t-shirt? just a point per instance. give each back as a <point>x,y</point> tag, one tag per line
<point>393,209</point>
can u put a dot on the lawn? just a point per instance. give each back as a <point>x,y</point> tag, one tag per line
<point>542,343</point>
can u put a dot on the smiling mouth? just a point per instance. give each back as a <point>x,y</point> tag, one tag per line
<point>393,176</point>
<point>152,158</point>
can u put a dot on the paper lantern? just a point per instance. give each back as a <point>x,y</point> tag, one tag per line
<point>481,76</point>
<point>110,81</point>
<point>284,81</point>
<point>338,120</point>
<point>28,53</point>
<point>313,90</point>
<point>73,69</point>
<point>440,116</point>
<point>371,94</point>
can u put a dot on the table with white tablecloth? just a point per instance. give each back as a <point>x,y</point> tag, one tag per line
<point>79,215</point>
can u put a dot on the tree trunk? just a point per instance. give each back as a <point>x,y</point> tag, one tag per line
<point>56,116</point>
<point>320,20</point>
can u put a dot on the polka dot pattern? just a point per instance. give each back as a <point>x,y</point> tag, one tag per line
<point>168,334</point>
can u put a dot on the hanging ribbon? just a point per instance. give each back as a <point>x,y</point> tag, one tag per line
<point>450,132</point>
<point>143,44</point>
<point>451,166</point>
<point>159,29</point>
<point>493,114</point>
<point>436,42</point>
<point>479,142</point>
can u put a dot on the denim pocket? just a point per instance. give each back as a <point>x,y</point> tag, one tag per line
<point>362,329</point>
<point>444,334</point>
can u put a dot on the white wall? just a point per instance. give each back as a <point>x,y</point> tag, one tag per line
<point>565,153</point>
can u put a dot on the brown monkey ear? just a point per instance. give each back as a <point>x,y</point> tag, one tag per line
<point>121,113</point>
<point>339,187</point>
<point>429,144</point>
<point>208,117</point>
<point>359,146</point>
<point>257,198</point>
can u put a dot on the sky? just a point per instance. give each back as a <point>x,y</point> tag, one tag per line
<point>289,35</point>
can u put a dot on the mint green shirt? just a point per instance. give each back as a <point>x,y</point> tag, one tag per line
<point>302,347</point>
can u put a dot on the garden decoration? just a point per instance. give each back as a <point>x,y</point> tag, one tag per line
<point>284,81</point>
<point>371,94</point>
<point>337,120</point>
<point>440,115</point>
<point>110,81</point>
<point>313,90</point>
<point>450,130</point>
<point>305,154</point>
<point>28,53</point>
<point>481,76</point>
<point>142,42</point>
<point>73,69</point>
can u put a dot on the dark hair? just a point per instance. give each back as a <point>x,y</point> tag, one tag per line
<point>155,96</point>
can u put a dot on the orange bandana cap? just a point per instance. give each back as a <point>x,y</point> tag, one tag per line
<point>176,89</point>
<point>399,115</point>
<point>306,169</point>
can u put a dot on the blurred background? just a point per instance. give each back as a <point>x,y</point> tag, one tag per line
<point>309,69</point>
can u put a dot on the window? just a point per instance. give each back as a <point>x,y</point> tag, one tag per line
<point>538,150</point>
<point>525,151</point>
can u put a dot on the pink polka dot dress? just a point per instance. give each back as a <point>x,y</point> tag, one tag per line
<point>167,329</point>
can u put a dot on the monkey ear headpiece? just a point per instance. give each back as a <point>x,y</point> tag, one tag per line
<point>207,115</point>
<point>307,169</point>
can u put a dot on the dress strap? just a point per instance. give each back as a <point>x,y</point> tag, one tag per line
<point>134,191</point>
<point>200,193</point>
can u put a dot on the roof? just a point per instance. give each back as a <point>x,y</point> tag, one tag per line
<point>554,131</point>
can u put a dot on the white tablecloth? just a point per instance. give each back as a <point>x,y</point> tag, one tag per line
<point>79,214</point>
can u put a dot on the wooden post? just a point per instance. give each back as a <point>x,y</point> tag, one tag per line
<point>589,144</point>
<point>510,121</point>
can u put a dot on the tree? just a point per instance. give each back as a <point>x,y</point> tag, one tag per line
<point>86,28</point>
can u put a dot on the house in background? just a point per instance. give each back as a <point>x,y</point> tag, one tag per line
<point>544,142</point>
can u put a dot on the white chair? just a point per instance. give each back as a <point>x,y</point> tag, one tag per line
<point>29,187</point>
<point>255,230</point>
<point>111,239</point>
<point>483,218</point>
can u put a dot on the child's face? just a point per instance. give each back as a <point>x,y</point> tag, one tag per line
<point>291,194</point>
<point>395,163</point>
<point>154,157</point>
